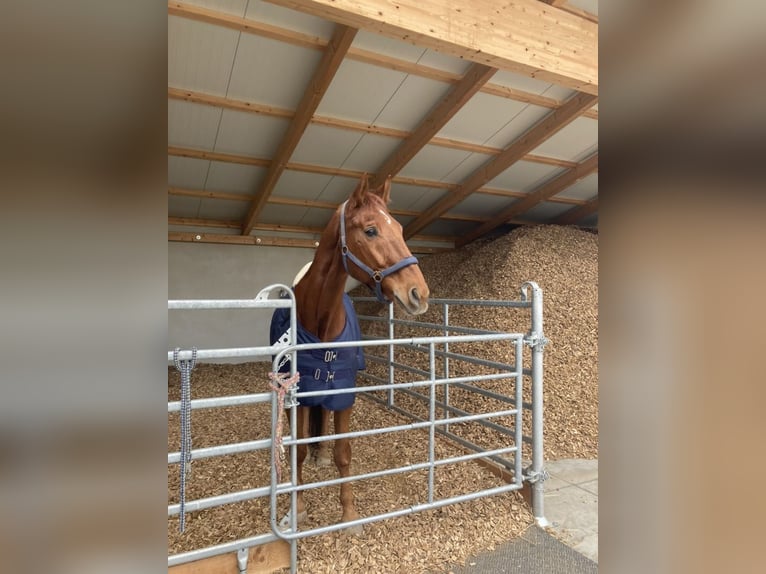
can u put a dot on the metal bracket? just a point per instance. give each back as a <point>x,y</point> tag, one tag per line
<point>242,555</point>
<point>536,340</point>
<point>532,477</point>
<point>290,399</point>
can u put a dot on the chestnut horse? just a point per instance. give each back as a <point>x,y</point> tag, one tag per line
<point>361,240</point>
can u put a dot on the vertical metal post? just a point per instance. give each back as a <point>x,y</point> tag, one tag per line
<point>446,364</point>
<point>518,476</point>
<point>432,419</point>
<point>391,354</point>
<point>537,340</point>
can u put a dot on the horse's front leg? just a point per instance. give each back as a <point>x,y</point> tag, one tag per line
<point>323,450</point>
<point>343,462</point>
<point>303,431</point>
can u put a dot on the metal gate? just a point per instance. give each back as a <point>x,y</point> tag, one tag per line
<point>430,386</point>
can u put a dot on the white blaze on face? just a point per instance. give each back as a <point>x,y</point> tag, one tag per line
<point>383,213</point>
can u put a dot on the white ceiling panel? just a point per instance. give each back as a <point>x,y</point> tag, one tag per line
<point>514,128</point>
<point>181,206</point>
<point>405,196</point>
<point>525,176</point>
<point>290,19</point>
<point>223,209</point>
<point>338,189</point>
<point>282,214</point>
<point>545,211</point>
<point>234,177</point>
<point>412,101</point>
<point>322,145</point>
<point>572,141</point>
<point>200,55</point>
<point>434,162</point>
<point>359,91</point>
<point>479,204</point>
<point>301,185</point>
<point>187,172</point>
<point>316,217</point>
<point>256,76</point>
<point>481,118</point>
<point>370,152</point>
<point>192,125</point>
<point>460,171</point>
<point>250,134</point>
<point>586,188</point>
<point>423,198</point>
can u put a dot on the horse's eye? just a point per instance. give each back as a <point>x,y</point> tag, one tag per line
<point>371,231</point>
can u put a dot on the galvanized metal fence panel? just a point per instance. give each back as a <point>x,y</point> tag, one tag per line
<point>437,348</point>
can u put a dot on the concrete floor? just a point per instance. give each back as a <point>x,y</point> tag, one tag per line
<point>569,545</point>
<point>571,504</point>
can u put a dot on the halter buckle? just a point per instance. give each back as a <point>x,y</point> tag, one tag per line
<point>377,277</point>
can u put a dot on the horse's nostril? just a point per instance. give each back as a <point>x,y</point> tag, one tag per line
<point>414,294</point>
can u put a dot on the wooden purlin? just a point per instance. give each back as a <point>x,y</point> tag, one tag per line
<point>575,214</point>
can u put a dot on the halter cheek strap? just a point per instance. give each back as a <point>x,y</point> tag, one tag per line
<point>376,276</point>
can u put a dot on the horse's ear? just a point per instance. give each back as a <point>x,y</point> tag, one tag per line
<point>357,198</point>
<point>384,190</point>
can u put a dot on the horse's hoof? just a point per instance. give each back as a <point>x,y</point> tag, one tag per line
<point>286,522</point>
<point>323,459</point>
<point>357,530</point>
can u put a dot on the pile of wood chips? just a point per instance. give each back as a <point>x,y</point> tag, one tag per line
<point>564,262</point>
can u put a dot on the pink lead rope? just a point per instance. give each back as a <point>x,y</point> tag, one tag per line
<point>280,384</point>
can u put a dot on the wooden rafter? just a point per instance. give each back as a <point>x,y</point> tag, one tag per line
<point>320,82</point>
<point>550,45</point>
<point>547,190</point>
<point>529,140</point>
<point>273,111</point>
<point>577,213</point>
<point>444,110</point>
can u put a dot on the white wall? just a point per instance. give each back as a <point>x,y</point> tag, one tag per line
<point>215,271</point>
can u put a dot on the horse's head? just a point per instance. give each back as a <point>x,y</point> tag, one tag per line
<point>374,251</point>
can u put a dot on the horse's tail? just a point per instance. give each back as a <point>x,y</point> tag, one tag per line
<point>315,421</point>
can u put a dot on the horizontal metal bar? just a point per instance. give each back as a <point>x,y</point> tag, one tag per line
<point>441,327</point>
<point>465,302</point>
<point>231,353</point>
<point>287,488</point>
<point>289,535</point>
<point>222,450</point>
<point>220,500</point>
<point>199,304</point>
<point>491,394</point>
<point>215,402</point>
<point>218,549</point>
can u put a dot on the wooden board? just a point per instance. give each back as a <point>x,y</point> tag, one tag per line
<point>261,560</point>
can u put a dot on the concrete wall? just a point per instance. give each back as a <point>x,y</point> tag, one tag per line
<point>213,271</point>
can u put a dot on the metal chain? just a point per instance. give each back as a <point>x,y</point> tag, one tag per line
<point>185,367</point>
<point>281,384</point>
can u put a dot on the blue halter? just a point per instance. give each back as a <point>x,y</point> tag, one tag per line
<point>376,276</point>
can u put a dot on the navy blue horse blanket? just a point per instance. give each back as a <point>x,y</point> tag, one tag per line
<point>324,369</point>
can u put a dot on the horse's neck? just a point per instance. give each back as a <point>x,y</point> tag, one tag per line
<point>319,295</point>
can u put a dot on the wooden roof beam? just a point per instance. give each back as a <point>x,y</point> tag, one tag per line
<point>577,213</point>
<point>534,136</point>
<point>435,120</point>
<point>547,190</point>
<point>547,44</point>
<point>331,60</point>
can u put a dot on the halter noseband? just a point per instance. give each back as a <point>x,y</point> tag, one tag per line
<point>376,276</point>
